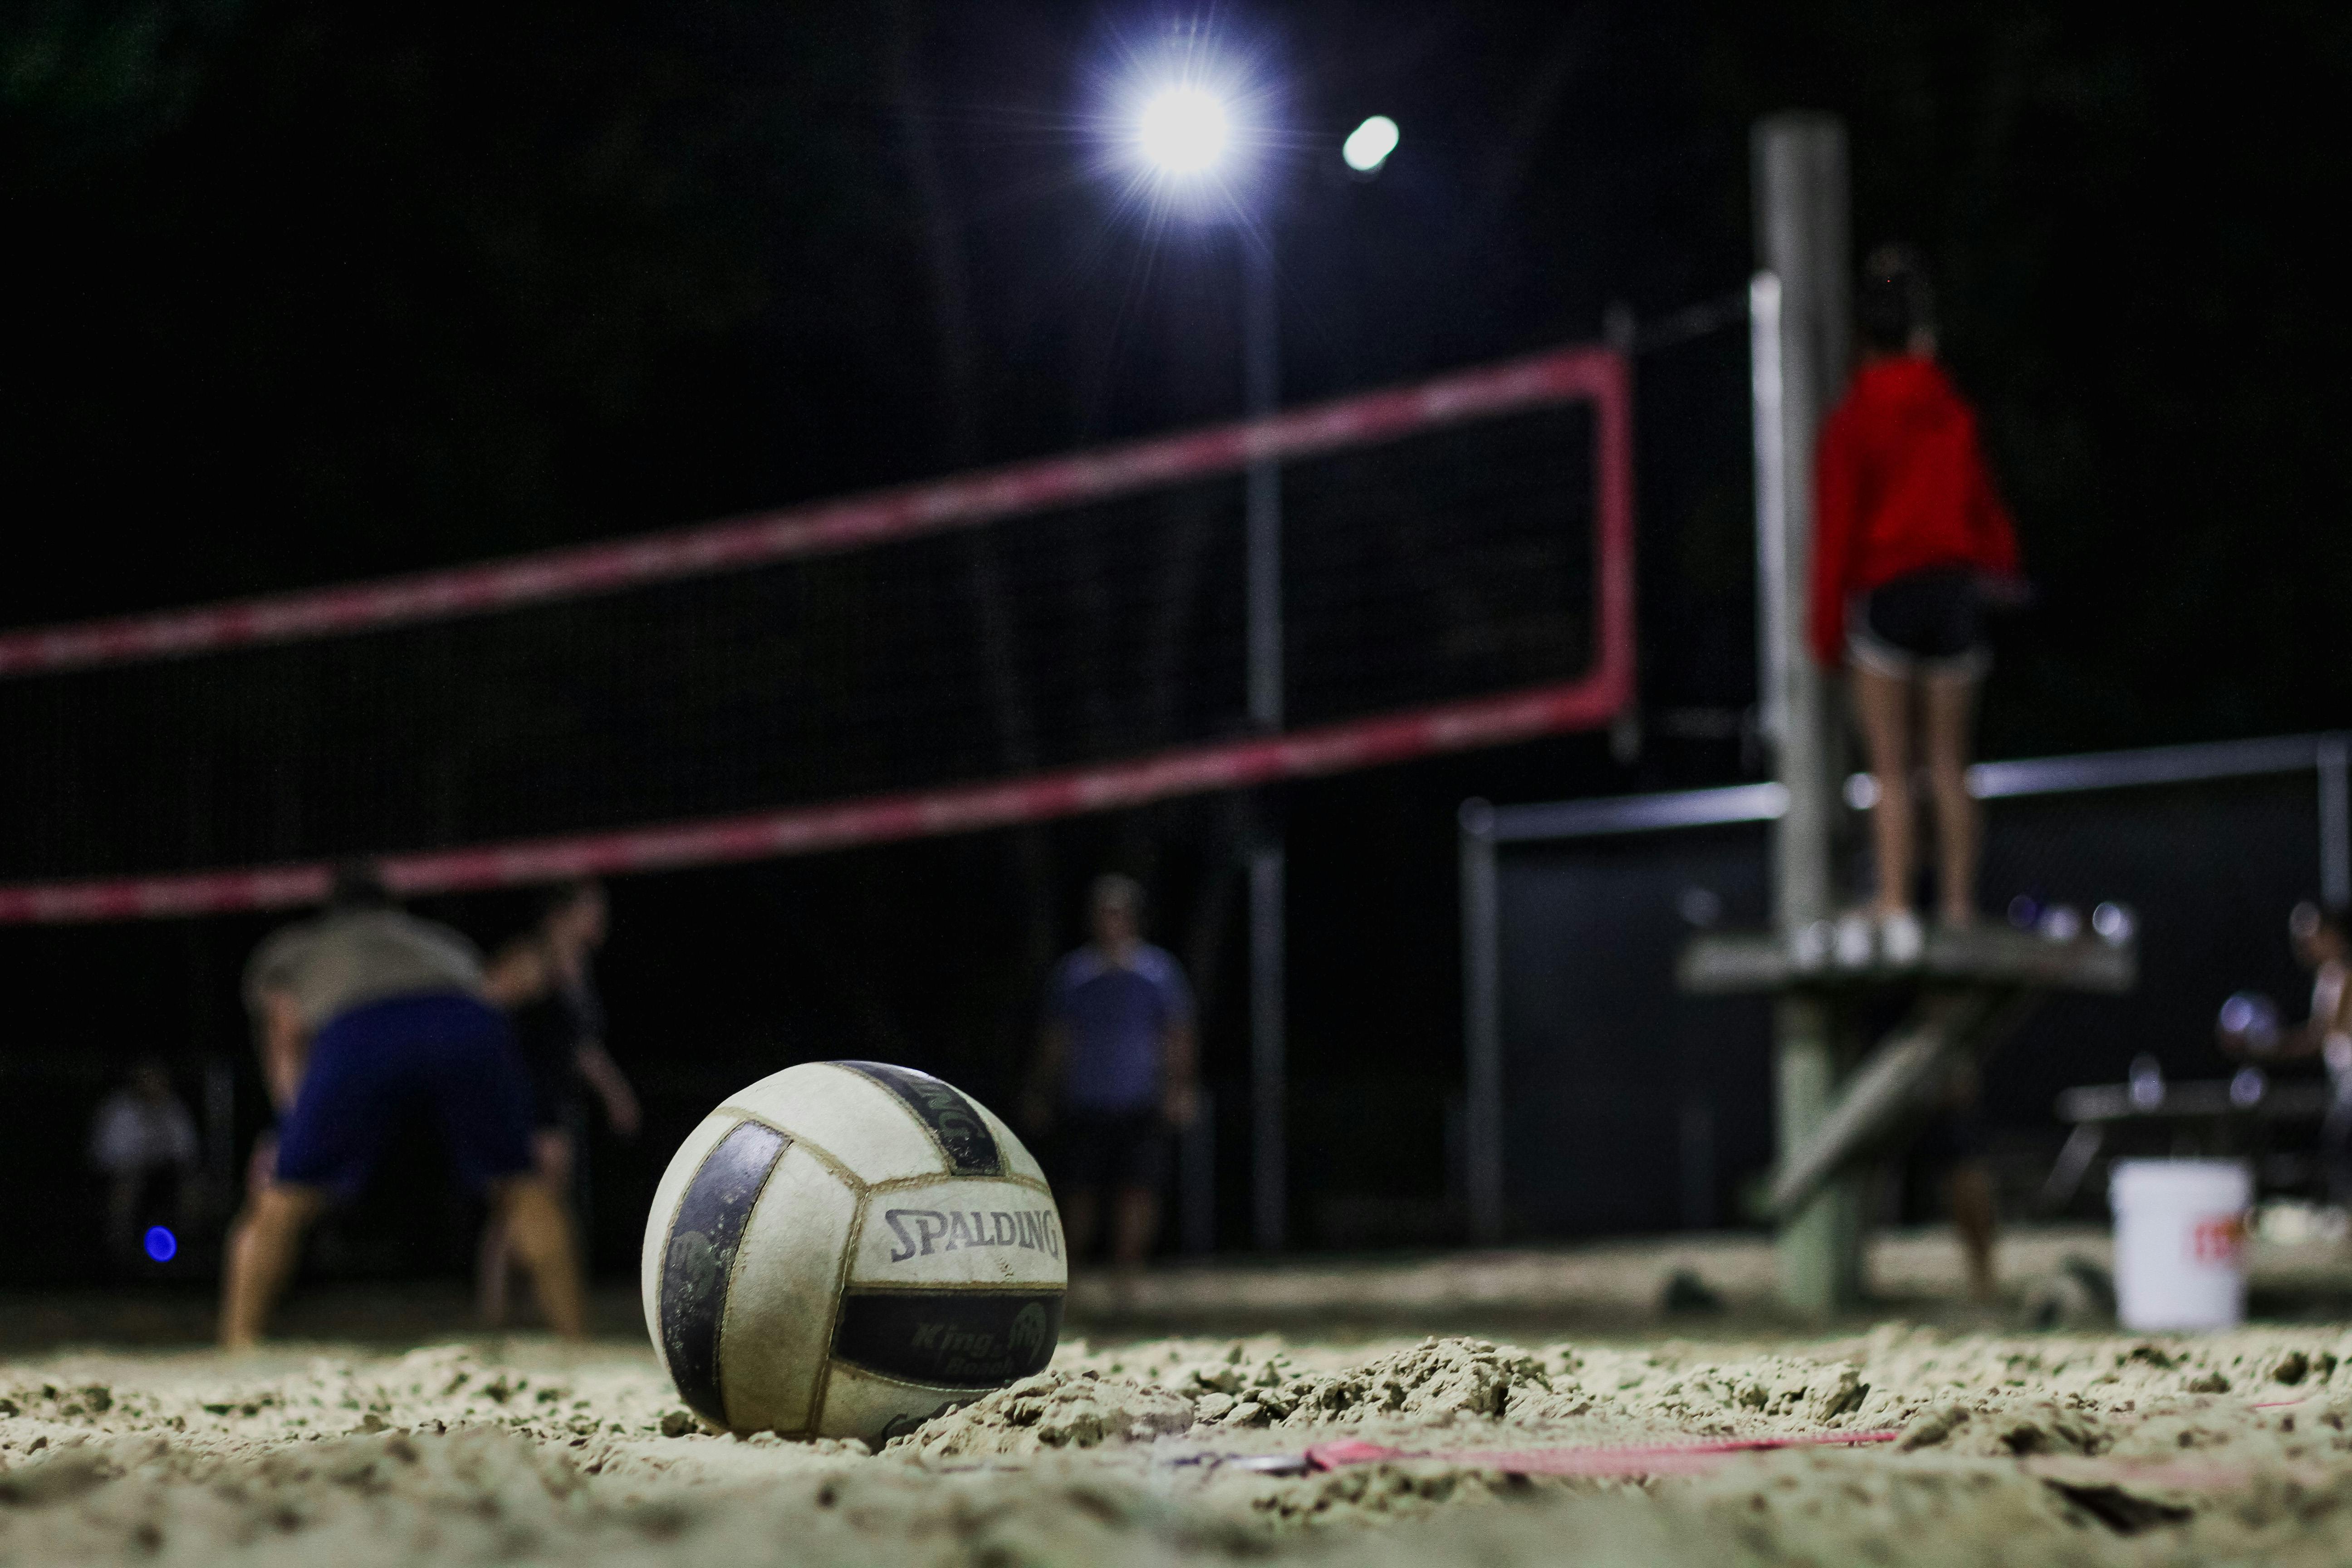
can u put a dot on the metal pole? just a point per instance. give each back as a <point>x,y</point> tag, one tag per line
<point>1797,336</point>
<point>1269,1197</point>
<point>1261,391</point>
<point>1261,395</point>
<point>1619,331</point>
<point>1197,1174</point>
<point>1765,394</point>
<point>1482,1025</point>
<point>220,1127</point>
<point>2335,823</point>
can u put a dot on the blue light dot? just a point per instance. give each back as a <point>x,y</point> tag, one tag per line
<point>161,1244</point>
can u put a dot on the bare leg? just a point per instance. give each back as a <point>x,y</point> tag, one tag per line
<point>1138,1224</point>
<point>1970,1188</point>
<point>1883,703</point>
<point>550,1151</point>
<point>541,1234</point>
<point>1951,707</point>
<point>1080,1218</point>
<point>263,1245</point>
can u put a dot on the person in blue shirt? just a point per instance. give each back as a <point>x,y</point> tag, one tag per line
<point>1116,1074</point>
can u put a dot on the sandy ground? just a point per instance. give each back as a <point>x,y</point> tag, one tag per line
<point>2068,1446</point>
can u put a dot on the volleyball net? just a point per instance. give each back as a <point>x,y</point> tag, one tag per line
<point>1048,638</point>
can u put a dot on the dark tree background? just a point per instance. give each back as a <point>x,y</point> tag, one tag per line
<point>307,291</point>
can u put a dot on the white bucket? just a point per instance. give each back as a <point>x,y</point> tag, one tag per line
<point>2180,1242</point>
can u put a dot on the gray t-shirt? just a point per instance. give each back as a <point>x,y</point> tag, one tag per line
<point>342,961</point>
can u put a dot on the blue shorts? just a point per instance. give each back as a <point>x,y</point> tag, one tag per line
<point>369,1066</point>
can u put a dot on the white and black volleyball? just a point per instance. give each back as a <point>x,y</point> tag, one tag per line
<point>845,1249</point>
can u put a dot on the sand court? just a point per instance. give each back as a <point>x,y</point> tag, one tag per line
<point>1135,1448</point>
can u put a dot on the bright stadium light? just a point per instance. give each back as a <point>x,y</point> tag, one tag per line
<point>1184,129</point>
<point>1367,146</point>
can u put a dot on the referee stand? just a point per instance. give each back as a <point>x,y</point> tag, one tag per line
<point>1842,1100</point>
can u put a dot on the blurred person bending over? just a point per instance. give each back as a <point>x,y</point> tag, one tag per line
<point>1911,543</point>
<point>142,1138</point>
<point>1116,1068</point>
<point>363,1012</point>
<point>547,983</point>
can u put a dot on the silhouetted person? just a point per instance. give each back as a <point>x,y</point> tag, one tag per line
<point>546,982</point>
<point>1910,543</point>
<point>143,1141</point>
<point>2319,938</point>
<point>363,1012</point>
<point>1117,1070</point>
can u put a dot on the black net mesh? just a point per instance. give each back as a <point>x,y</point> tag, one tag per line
<point>1450,564</point>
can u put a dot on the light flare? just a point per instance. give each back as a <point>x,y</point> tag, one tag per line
<point>1367,146</point>
<point>1184,129</point>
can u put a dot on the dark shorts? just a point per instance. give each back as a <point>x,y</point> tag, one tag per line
<point>1115,1149</point>
<point>371,1064</point>
<point>1926,622</point>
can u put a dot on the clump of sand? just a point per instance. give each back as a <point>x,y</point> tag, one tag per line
<point>2037,1449</point>
<point>1055,1409</point>
<point>1080,1405</point>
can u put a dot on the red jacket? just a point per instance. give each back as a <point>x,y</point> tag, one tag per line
<point>1901,486</point>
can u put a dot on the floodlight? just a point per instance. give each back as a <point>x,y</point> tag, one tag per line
<point>1184,129</point>
<point>1367,146</point>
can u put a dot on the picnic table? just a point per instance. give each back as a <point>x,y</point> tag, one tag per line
<point>2219,1117</point>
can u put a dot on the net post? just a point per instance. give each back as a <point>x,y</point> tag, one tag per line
<point>1798,337</point>
<point>1482,1025</point>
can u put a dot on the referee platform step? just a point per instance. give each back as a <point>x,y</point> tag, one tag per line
<point>1824,956</point>
<point>1974,986</point>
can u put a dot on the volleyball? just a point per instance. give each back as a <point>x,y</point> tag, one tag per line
<point>846,1249</point>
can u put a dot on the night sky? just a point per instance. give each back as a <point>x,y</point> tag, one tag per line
<point>309,291</point>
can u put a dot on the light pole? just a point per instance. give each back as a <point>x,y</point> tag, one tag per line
<point>1268,858</point>
<point>1185,131</point>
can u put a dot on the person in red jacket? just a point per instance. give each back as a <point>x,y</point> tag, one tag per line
<point>1910,541</point>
